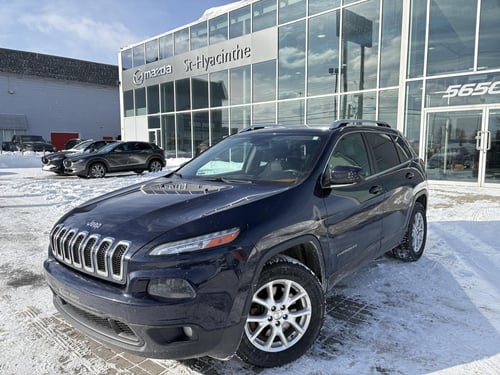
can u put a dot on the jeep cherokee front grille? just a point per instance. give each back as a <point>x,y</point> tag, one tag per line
<point>91,253</point>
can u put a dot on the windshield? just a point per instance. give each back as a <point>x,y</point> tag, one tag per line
<point>109,147</point>
<point>81,145</point>
<point>257,157</point>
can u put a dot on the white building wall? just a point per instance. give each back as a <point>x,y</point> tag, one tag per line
<point>52,105</point>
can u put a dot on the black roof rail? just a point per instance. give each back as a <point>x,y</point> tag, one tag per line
<point>344,122</point>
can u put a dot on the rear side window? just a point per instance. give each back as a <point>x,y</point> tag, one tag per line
<point>384,151</point>
<point>404,151</point>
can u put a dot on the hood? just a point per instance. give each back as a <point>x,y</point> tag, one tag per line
<point>142,212</point>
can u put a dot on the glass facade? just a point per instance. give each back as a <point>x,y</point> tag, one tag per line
<point>410,63</point>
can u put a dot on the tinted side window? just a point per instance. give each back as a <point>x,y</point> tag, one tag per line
<point>404,151</point>
<point>141,146</point>
<point>350,150</point>
<point>384,151</point>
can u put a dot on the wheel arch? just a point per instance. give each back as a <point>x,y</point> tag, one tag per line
<point>94,161</point>
<point>305,250</point>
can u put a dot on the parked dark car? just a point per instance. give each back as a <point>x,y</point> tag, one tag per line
<point>23,142</point>
<point>72,142</point>
<point>234,251</point>
<point>116,157</point>
<point>54,162</point>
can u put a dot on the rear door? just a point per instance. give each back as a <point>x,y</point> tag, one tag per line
<point>353,219</point>
<point>392,161</point>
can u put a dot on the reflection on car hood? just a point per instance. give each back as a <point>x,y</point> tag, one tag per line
<point>161,205</point>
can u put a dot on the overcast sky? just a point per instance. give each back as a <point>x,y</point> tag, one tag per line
<point>92,30</point>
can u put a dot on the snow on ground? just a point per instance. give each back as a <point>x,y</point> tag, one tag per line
<point>439,315</point>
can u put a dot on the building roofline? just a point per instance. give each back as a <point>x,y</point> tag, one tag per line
<point>57,67</point>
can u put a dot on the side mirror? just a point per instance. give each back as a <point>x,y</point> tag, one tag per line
<point>342,175</point>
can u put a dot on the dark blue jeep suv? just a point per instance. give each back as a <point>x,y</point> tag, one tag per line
<point>233,252</point>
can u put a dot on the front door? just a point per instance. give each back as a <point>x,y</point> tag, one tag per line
<point>463,145</point>
<point>491,146</point>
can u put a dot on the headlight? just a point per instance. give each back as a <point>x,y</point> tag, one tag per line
<point>197,243</point>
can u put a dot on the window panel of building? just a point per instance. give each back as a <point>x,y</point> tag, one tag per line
<point>153,98</point>
<point>219,122</point>
<point>291,10</point>
<point>168,130</point>
<point>127,59</point>
<point>361,105</point>
<point>322,111</point>
<point>201,131</point>
<point>181,41</point>
<point>182,95</point>
<point>317,6</point>
<point>291,66</point>
<point>264,14</point>
<point>138,55</point>
<point>167,96</point>
<point>166,46</point>
<point>451,36</point>
<point>291,112</point>
<point>199,88</point>
<point>152,51</point>
<point>219,86</point>
<point>240,85</point>
<point>128,103</point>
<point>390,53</point>
<point>184,137</point>
<point>140,101</point>
<point>264,81</point>
<point>218,29</point>
<point>198,35</point>
<point>416,43</point>
<point>489,46</point>
<point>240,118</point>
<point>323,55</point>
<point>360,46</point>
<point>264,113</point>
<point>388,106</point>
<point>239,22</point>
<point>413,112</point>
<point>154,122</point>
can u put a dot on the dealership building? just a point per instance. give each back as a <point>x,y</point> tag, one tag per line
<point>430,68</point>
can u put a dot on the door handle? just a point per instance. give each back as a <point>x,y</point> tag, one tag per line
<point>376,189</point>
<point>410,175</point>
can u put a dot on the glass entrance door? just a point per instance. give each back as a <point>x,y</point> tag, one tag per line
<point>489,142</point>
<point>450,152</point>
<point>463,145</point>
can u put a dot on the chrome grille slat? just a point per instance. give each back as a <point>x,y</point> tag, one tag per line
<point>89,252</point>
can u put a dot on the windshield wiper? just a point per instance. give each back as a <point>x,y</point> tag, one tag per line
<point>227,180</point>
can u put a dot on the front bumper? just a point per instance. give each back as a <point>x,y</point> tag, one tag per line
<point>53,168</point>
<point>146,326</point>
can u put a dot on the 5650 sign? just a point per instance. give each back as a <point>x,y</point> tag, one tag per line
<point>472,89</point>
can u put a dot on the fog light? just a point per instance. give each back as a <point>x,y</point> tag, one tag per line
<point>188,331</point>
<point>171,288</point>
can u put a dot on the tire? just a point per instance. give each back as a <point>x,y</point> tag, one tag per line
<point>155,166</point>
<point>97,170</point>
<point>413,244</point>
<point>281,316</point>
